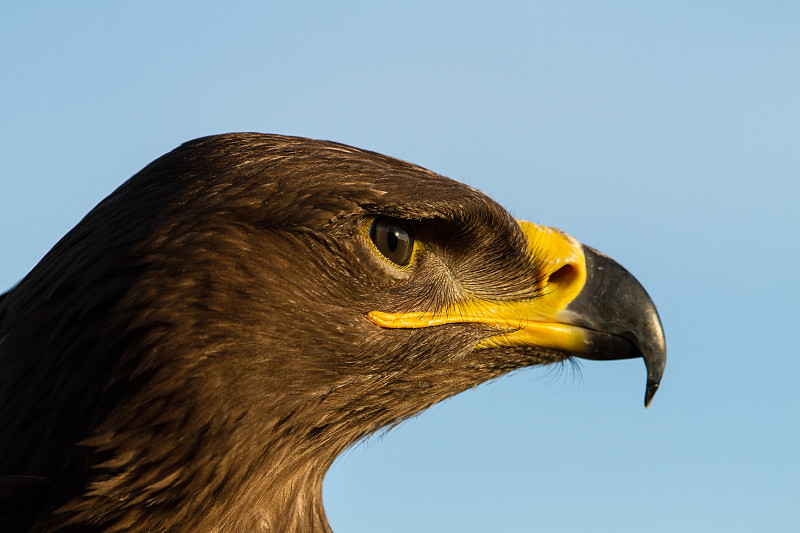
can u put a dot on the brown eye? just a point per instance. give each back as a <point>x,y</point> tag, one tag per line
<point>393,238</point>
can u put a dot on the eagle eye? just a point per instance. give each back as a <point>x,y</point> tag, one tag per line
<point>393,238</point>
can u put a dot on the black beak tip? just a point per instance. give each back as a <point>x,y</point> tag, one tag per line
<point>655,355</point>
<point>652,387</point>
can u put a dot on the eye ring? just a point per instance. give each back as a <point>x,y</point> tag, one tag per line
<point>394,239</point>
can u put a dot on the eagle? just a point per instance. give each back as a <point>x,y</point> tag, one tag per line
<point>196,352</point>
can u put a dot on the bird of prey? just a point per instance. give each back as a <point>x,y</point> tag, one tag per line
<point>194,354</point>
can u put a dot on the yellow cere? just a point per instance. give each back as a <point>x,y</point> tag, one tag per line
<point>559,251</point>
<point>525,322</point>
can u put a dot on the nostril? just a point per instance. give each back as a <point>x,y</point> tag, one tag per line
<point>563,276</point>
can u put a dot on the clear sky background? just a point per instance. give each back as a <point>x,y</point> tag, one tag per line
<point>666,134</point>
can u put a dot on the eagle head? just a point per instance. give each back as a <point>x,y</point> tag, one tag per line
<point>195,353</point>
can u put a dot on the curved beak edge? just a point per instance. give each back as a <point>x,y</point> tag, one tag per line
<point>614,307</point>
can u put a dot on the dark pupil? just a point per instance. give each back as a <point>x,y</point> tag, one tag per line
<point>392,240</point>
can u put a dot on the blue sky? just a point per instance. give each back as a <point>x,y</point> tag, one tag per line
<point>665,134</point>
